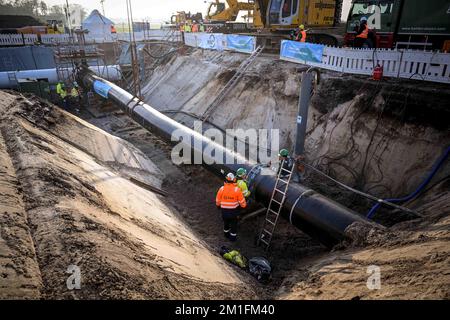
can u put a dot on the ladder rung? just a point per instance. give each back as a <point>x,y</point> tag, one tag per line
<point>264,241</point>
<point>275,212</point>
<point>283,169</point>
<point>268,232</point>
<point>277,202</point>
<point>271,222</point>
<point>280,191</point>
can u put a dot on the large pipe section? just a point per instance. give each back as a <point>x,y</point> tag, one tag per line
<point>319,217</point>
<point>7,79</point>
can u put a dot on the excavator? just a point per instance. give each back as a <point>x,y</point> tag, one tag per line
<point>274,20</point>
<point>182,17</point>
<point>230,13</point>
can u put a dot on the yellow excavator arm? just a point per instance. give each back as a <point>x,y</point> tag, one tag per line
<point>224,14</point>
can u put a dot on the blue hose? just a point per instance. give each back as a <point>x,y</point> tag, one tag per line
<point>434,170</point>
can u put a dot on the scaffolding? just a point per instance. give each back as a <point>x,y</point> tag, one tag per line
<point>75,54</point>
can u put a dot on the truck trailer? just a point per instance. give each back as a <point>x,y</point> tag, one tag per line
<point>416,24</point>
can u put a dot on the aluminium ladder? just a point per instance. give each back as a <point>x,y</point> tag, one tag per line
<point>275,206</point>
<point>230,85</point>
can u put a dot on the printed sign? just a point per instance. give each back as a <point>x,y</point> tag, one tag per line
<point>245,44</point>
<point>212,41</point>
<point>301,51</point>
<point>190,39</point>
<point>101,88</point>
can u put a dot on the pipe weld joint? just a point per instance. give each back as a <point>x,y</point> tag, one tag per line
<point>297,201</point>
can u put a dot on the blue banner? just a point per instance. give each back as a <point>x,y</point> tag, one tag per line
<point>102,88</point>
<point>212,41</point>
<point>239,43</point>
<point>301,51</point>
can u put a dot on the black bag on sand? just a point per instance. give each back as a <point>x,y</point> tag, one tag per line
<point>260,268</point>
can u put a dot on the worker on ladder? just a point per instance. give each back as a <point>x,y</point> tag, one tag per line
<point>230,200</point>
<point>289,163</point>
<point>286,162</point>
<point>301,34</point>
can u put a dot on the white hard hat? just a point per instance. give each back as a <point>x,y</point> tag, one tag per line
<point>231,177</point>
<point>363,19</point>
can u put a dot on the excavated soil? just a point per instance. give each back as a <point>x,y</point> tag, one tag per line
<point>68,198</point>
<point>414,256</point>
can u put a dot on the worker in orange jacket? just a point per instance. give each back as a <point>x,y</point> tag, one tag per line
<point>362,35</point>
<point>230,200</point>
<point>301,34</point>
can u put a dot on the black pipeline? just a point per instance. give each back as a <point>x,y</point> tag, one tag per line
<point>311,212</point>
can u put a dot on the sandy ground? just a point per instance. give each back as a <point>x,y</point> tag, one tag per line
<point>68,206</point>
<point>360,132</point>
<point>413,256</point>
<point>196,206</point>
<point>413,259</point>
<point>67,197</point>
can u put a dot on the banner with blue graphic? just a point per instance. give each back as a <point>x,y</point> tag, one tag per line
<point>102,88</point>
<point>245,44</point>
<point>301,51</point>
<point>211,41</point>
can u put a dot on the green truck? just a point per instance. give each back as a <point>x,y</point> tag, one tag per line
<point>403,23</point>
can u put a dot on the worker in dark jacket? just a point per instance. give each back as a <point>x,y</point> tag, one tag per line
<point>362,35</point>
<point>230,200</point>
<point>286,162</point>
<point>295,165</point>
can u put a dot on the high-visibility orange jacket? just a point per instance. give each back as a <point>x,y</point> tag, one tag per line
<point>365,33</point>
<point>303,38</point>
<point>230,196</point>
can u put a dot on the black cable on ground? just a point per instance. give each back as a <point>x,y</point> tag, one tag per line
<point>366,195</point>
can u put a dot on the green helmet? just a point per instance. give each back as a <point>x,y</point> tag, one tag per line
<point>241,172</point>
<point>283,153</point>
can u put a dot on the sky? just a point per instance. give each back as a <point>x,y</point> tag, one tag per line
<point>152,10</point>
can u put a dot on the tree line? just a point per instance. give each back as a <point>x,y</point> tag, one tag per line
<point>36,8</point>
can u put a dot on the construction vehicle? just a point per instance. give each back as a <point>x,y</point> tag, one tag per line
<point>274,20</point>
<point>224,14</point>
<point>403,23</point>
<point>182,17</point>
